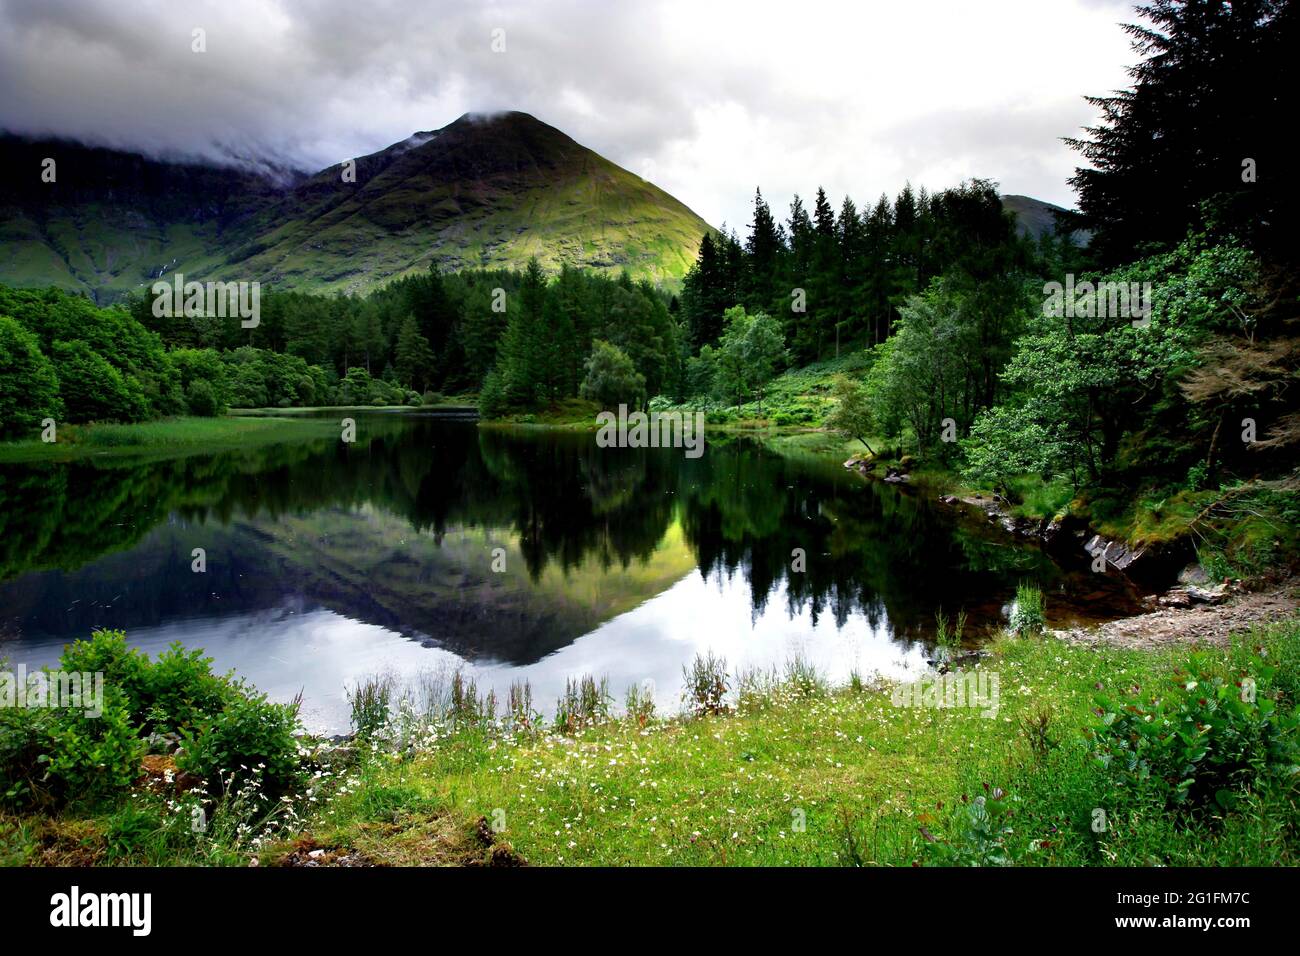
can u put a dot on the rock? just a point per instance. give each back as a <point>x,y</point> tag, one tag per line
<point>944,664</point>
<point>1189,594</point>
<point>168,743</point>
<point>1214,595</point>
<point>948,499</point>
<point>1116,554</point>
<point>327,754</point>
<point>1193,574</point>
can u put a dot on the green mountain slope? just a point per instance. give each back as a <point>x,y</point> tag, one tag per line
<point>480,192</point>
<point>111,221</point>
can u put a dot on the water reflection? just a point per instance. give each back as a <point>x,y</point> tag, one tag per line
<point>326,561</point>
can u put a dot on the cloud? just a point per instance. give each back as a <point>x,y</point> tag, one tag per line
<point>707,99</point>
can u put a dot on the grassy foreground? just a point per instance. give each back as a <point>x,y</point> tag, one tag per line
<point>166,438</point>
<point>792,773</point>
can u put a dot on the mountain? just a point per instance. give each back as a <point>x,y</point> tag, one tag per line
<point>113,220</point>
<point>480,192</point>
<point>1036,218</point>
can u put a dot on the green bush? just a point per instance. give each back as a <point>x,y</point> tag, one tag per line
<point>179,690</point>
<point>251,738</point>
<point>171,693</point>
<point>229,732</point>
<point>1203,739</point>
<point>25,736</point>
<point>50,756</point>
<point>124,668</point>
<point>201,399</point>
<point>92,758</point>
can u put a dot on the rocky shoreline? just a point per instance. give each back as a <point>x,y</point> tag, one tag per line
<point>1064,536</point>
<point>1184,606</point>
<point>1206,623</point>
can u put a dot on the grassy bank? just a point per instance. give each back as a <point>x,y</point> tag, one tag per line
<point>791,772</point>
<point>166,438</point>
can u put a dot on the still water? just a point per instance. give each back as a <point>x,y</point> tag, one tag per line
<point>329,562</point>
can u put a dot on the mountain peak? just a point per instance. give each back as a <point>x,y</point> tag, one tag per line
<point>488,190</point>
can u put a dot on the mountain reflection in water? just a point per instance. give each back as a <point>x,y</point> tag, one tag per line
<point>327,562</point>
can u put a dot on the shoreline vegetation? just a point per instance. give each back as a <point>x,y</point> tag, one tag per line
<point>1088,757</point>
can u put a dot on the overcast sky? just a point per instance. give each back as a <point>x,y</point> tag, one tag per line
<point>706,99</point>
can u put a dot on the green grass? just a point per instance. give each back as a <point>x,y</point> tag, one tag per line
<point>570,413</point>
<point>166,438</point>
<point>799,775</point>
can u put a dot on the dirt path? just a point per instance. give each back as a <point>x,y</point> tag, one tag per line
<point>1202,624</point>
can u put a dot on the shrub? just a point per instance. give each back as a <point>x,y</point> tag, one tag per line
<point>179,690</point>
<point>982,828</point>
<point>124,668</point>
<point>250,734</point>
<point>92,758</point>
<point>1201,739</point>
<point>171,693</point>
<point>25,736</point>
<point>201,399</point>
